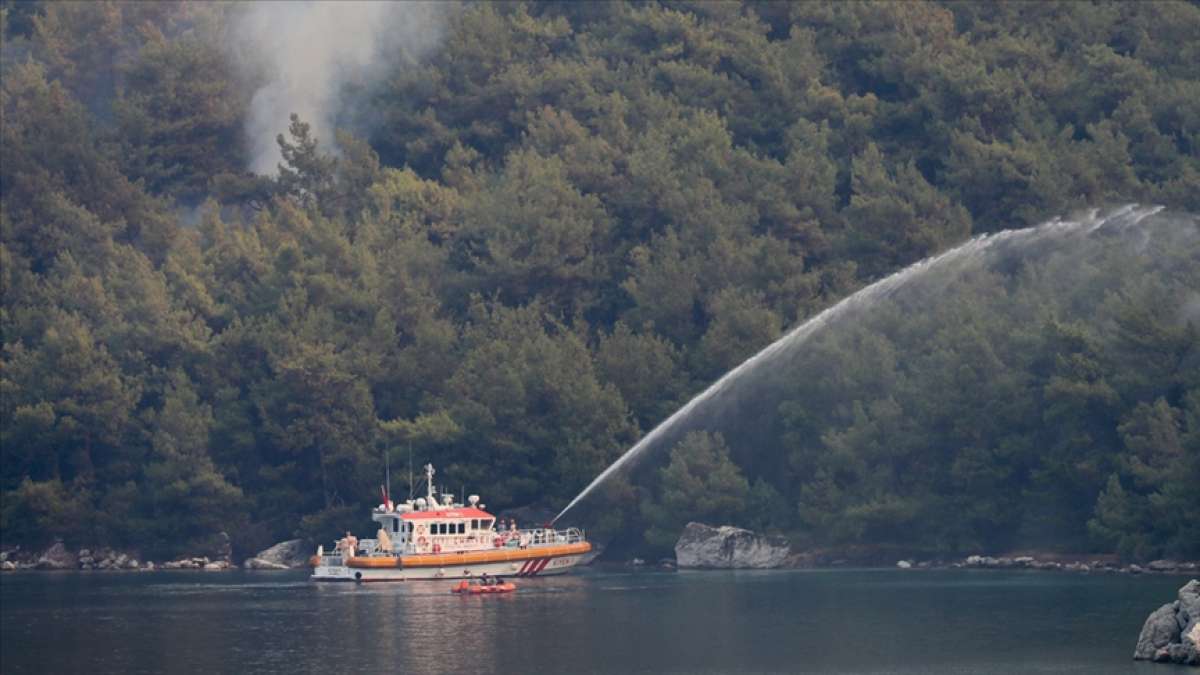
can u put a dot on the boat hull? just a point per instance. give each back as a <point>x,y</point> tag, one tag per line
<point>529,562</point>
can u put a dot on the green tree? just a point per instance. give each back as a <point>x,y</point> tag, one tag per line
<point>699,483</point>
<point>179,116</point>
<point>188,500</point>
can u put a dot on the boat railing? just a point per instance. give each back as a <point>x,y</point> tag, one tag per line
<point>334,555</point>
<point>546,536</point>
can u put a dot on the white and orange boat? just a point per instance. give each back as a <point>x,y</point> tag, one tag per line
<point>430,539</point>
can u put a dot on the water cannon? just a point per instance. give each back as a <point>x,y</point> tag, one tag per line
<point>420,503</point>
<point>473,500</point>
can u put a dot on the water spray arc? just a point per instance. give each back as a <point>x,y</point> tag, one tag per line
<point>775,353</point>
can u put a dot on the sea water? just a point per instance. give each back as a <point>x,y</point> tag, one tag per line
<point>606,620</point>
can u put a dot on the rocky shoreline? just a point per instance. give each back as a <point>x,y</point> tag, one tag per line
<point>290,554</point>
<point>702,546</point>
<point>699,547</point>
<point>1058,564</point>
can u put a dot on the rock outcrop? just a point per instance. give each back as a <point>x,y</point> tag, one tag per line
<point>57,557</point>
<point>1171,633</point>
<point>282,556</point>
<point>729,547</point>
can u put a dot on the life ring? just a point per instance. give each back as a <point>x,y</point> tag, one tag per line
<point>437,548</point>
<point>421,541</point>
<point>420,529</point>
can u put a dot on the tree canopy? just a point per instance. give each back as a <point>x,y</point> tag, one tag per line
<point>537,240</point>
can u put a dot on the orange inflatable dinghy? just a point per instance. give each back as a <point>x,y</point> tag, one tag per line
<point>479,589</point>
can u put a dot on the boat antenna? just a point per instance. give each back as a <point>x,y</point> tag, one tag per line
<point>429,482</point>
<point>387,474</point>
<point>410,472</point>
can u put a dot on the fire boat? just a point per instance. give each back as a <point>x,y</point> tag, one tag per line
<point>428,538</point>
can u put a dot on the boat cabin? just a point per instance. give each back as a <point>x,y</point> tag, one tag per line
<point>423,525</point>
<point>433,531</point>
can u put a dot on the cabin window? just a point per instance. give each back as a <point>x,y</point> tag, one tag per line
<point>462,528</point>
<point>441,528</point>
<point>487,524</point>
<point>475,524</point>
<point>395,524</point>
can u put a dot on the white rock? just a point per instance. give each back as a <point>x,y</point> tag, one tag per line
<point>729,547</point>
<point>289,554</point>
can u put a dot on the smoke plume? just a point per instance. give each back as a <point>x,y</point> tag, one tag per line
<point>305,58</point>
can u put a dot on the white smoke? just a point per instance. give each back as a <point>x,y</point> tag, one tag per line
<point>303,56</point>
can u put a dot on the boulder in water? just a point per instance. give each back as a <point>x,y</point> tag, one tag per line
<point>1171,633</point>
<point>1191,643</point>
<point>57,557</point>
<point>284,555</point>
<point>1189,600</point>
<point>729,547</point>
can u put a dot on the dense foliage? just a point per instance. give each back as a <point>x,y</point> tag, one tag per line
<point>561,224</point>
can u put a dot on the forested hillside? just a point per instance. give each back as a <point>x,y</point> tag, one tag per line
<point>531,242</point>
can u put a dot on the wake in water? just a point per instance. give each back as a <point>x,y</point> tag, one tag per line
<point>942,269</point>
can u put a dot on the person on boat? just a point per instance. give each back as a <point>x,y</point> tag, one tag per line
<point>385,542</point>
<point>349,544</point>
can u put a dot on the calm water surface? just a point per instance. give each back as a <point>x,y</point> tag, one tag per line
<point>593,621</point>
